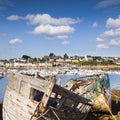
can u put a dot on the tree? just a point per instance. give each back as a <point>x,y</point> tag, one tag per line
<point>66,56</point>
<point>34,60</point>
<point>51,55</point>
<point>26,57</point>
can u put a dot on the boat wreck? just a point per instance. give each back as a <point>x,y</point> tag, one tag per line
<point>29,98</point>
<point>94,88</point>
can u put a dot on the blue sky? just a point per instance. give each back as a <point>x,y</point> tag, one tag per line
<point>76,27</point>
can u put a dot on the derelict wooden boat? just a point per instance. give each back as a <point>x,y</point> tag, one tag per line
<point>29,98</point>
<point>95,88</point>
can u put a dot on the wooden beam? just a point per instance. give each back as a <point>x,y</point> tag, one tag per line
<point>69,94</point>
<point>47,94</point>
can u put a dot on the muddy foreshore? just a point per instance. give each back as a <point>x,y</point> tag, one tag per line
<point>93,116</point>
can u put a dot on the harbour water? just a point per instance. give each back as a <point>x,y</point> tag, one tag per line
<point>114,81</point>
<point>3,83</point>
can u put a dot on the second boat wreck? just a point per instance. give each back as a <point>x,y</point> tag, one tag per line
<point>29,98</point>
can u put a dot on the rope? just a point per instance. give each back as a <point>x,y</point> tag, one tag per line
<point>45,118</point>
<point>47,112</point>
<point>55,114</point>
<point>42,115</point>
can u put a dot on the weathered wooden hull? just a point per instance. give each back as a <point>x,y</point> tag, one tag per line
<point>101,104</point>
<point>102,100</point>
<point>71,102</point>
<point>95,89</point>
<point>17,104</point>
<point>20,105</point>
<point>16,107</point>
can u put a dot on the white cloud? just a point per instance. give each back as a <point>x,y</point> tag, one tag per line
<point>14,41</point>
<point>99,39</point>
<point>102,46</point>
<point>14,17</point>
<point>53,31</point>
<point>47,19</point>
<point>65,43</point>
<point>106,3</point>
<point>94,25</point>
<point>48,26</point>
<point>61,37</point>
<point>115,43</point>
<point>113,23</point>
<point>112,34</point>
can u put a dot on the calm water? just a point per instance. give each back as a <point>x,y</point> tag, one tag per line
<point>3,83</point>
<point>114,82</point>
